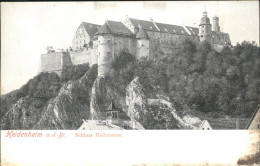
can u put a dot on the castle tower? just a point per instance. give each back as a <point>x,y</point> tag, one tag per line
<point>104,41</point>
<point>142,44</point>
<point>205,28</point>
<point>216,26</point>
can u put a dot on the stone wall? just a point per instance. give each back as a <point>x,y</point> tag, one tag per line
<point>81,57</point>
<point>166,43</point>
<point>54,62</point>
<point>107,47</point>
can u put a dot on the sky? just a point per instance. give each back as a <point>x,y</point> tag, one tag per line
<point>27,28</point>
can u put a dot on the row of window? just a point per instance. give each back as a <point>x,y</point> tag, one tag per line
<point>79,36</point>
<point>80,42</point>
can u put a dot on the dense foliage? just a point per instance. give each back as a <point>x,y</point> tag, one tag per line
<point>37,91</point>
<point>74,72</point>
<point>225,82</point>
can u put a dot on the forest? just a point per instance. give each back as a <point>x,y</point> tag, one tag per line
<point>222,83</point>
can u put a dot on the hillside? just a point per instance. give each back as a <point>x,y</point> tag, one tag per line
<point>170,93</point>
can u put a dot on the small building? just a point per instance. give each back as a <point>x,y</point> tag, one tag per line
<point>228,123</point>
<point>115,115</point>
<point>114,119</point>
<point>254,123</point>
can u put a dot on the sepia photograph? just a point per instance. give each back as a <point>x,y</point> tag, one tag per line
<point>143,65</point>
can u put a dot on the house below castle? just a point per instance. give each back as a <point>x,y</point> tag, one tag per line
<point>147,40</point>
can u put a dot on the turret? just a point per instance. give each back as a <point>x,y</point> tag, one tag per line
<point>216,26</point>
<point>205,28</point>
<point>142,44</point>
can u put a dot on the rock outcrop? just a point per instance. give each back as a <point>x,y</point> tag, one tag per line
<point>101,96</point>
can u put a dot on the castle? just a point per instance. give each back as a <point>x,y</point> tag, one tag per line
<point>147,40</point>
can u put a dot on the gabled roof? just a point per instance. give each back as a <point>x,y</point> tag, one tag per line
<point>103,30</point>
<point>174,29</point>
<point>147,25</point>
<point>165,28</point>
<point>223,123</point>
<point>114,27</point>
<point>253,116</point>
<point>90,28</point>
<point>141,34</point>
<point>111,106</point>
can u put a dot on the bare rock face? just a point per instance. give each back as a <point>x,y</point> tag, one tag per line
<point>165,105</point>
<point>101,96</point>
<point>55,115</point>
<point>136,100</point>
<point>19,116</point>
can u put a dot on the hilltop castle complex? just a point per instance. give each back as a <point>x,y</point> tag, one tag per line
<point>147,40</point>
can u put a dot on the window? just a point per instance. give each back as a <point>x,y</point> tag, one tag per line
<point>201,36</point>
<point>108,53</point>
<point>258,126</point>
<point>208,128</point>
<point>114,115</point>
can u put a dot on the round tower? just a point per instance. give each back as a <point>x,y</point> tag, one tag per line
<point>205,28</point>
<point>216,26</point>
<point>104,52</point>
<point>142,44</point>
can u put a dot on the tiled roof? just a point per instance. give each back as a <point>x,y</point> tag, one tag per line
<point>114,27</point>
<point>103,30</point>
<point>173,29</point>
<point>193,30</point>
<point>91,28</point>
<point>222,123</point>
<point>141,34</point>
<point>166,28</point>
<point>147,25</point>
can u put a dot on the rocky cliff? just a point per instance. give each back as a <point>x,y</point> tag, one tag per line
<point>64,111</point>
<point>86,98</point>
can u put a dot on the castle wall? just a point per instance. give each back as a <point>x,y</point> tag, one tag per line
<point>126,43</point>
<point>54,62</point>
<point>107,47</point>
<point>221,38</point>
<point>81,57</point>
<point>166,43</point>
